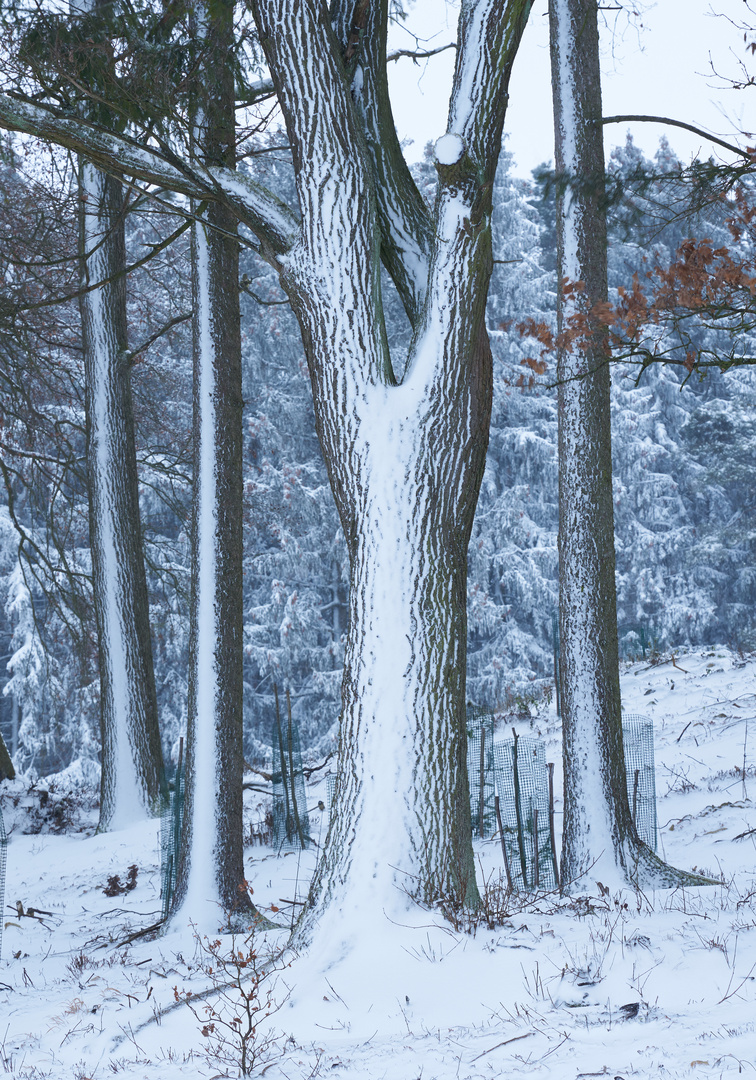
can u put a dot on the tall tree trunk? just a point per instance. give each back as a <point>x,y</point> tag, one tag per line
<point>211,869</point>
<point>600,841</point>
<point>405,462</point>
<point>131,753</point>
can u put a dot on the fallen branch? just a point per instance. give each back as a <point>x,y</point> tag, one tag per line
<point>506,1042</point>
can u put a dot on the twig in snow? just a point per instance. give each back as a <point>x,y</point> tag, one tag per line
<point>506,1042</point>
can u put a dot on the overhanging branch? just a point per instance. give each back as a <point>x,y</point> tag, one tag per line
<point>272,221</point>
<point>749,155</point>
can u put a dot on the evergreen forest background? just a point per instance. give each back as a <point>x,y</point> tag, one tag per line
<point>684,452</point>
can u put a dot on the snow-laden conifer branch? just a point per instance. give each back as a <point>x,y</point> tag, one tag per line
<point>270,219</point>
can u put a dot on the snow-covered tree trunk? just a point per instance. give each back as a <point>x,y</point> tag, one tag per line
<point>211,870</point>
<point>405,461</point>
<point>600,842</point>
<point>131,754</point>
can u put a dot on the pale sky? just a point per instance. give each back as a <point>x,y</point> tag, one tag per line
<point>660,65</point>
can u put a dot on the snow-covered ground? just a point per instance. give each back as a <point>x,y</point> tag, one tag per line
<point>661,984</point>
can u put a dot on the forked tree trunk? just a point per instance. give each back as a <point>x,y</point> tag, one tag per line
<point>405,462</point>
<point>600,842</point>
<point>131,753</point>
<point>211,866</point>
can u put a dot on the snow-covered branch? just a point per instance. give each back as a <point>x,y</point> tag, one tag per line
<point>121,155</point>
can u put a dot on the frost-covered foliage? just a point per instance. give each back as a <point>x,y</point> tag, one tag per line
<point>684,505</point>
<point>513,558</point>
<point>683,448</point>
<point>294,555</point>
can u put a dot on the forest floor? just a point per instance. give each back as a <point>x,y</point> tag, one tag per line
<point>661,984</point>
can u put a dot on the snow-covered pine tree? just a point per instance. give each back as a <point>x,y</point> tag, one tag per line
<point>296,577</point>
<point>50,696</point>
<point>685,555</point>
<point>512,582</point>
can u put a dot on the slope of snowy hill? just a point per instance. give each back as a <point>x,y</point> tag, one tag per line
<point>634,985</point>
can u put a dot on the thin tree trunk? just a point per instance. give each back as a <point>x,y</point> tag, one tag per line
<point>7,772</point>
<point>600,841</point>
<point>131,753</point>
<point>211,867</point>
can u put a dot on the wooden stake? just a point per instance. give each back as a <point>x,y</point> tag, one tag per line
<point>555,861</point>
<point>497,810</point>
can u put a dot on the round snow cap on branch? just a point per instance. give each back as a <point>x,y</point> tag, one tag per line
<point>449,148</point>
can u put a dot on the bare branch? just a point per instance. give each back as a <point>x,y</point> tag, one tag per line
<point>419,54</point>
<point>749,155</point>
<point>121,155</point>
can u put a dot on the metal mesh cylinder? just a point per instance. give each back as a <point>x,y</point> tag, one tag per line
<point>291,825</point>
<point>171,823</point>
<point>638,738</point>
<point>480,773</point>
<point>523,788</point>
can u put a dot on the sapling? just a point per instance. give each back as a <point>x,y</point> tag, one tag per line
<point>243,999</point>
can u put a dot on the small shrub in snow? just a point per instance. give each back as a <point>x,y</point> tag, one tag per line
<point>234,1020</point>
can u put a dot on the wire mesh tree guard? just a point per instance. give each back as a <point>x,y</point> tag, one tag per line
<point>171,824</point>
<point>638,739</point>
<point>512,795</point>
<point>291,825</point>
<point>480,773</point>
<point>526,813</point>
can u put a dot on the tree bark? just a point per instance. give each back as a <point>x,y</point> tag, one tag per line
<point>131,752</point>
<point>211,866</point>
<point>7,772</point>
<point>600,841</point>
<point>405,461</point>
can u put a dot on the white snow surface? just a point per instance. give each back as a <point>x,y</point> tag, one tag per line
<point>541,994</point>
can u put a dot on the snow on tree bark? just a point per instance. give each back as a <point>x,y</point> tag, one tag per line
<point>131,753</point>
<point>599,838</point>
<point>405,461</point>
<point>211,868</point>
